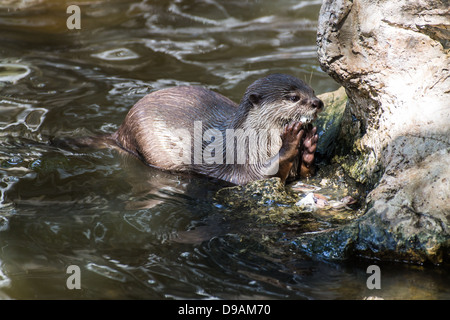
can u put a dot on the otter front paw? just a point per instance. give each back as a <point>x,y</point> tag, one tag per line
<point>291,138</point>
<point>307,149</point>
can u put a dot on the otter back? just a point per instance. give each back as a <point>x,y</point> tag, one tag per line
<point>159,128</point>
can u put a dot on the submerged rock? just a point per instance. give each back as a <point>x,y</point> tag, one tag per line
<point>254,194</point>
<point>272,203</point>
<point>266,200</point>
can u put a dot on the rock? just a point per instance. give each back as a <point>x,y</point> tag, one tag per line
<point>271,202</point>
<point>329,121</point>
<point>254,194</point>
<point>267,200</point>
<point>392,57</point>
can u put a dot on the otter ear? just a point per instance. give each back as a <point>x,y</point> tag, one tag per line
<point>254,99</point>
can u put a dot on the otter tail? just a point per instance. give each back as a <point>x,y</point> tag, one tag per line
<point>80,143</point>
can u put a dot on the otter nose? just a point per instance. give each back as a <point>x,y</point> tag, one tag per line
<point>317,104</point>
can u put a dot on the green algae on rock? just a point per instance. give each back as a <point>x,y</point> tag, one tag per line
<point>328,122</point>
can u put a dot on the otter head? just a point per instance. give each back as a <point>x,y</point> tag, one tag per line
<point>278,99</point>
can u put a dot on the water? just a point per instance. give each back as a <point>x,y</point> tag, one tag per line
<point>135,232</point>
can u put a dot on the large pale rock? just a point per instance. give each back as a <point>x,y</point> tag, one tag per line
<point>392,57</point>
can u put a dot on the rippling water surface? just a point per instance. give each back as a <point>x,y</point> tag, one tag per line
<point>136,232</point>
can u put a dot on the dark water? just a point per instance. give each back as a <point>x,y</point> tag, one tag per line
<point>133,231</point>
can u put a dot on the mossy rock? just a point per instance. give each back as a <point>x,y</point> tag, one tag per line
<point>329,120</point>
<point>265,192</point>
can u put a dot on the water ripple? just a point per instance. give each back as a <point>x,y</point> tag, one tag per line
<point>13,72</point>
<point>106,271</point>
<point>117,54</point>
<point>5,281</point>
<point>16,114</point>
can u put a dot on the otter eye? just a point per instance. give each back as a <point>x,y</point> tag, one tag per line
<point>294,98</point>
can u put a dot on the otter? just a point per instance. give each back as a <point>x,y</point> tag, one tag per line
<point>192,129</point>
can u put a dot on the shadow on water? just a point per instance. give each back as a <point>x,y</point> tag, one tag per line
<point>134,231</point>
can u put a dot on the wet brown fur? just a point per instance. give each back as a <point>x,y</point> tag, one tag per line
<point>274,102</point>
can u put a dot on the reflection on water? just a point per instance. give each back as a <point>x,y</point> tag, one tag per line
<point>136,232</point>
